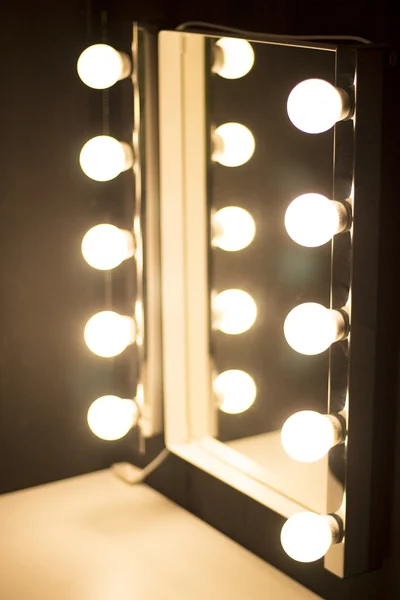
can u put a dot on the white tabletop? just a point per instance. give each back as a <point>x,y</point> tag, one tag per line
<point>96,538</point>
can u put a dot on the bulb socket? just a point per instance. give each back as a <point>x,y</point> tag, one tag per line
<point>128,156</point>
<point>130,243</point>
<point>345,215</point>
<point>126,66</point>
<point>131,327</point>
<point>347,104</point>
<point>336,526</point>
<point>218,58</point>
<point>342,323</point>
<point>217,146</point>
<point>339,428</point>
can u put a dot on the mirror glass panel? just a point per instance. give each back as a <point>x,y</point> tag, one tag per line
<point>276,272</point>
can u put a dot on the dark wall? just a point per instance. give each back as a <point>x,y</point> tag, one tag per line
<point>47,376</point>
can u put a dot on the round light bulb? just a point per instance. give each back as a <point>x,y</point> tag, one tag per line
<point>311,328</point>
<point>233,144</point>
<point>233,228</point>
<point>312,220</point>
<point>235,391</point>
<point>103,157</point>
<point>234,311</point>
<point>307,436</point>
<point>106,246</point>
<point>111,417</point>
<point>108,334</point>
<point>315,105</point>
<point>101,66</point>
<point>307,537</point>
<point>234,58</point>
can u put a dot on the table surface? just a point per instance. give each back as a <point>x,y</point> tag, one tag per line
<point>96,538</point>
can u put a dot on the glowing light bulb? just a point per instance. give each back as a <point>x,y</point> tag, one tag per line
<point>101,66</point>
<point>105,246</point>
<point>235,391</point>
<point>233,144</point>
<point>234,311</point>
<point>307,537</point>
<point>103,157</point>
<point>233,228</point>
<point>111,417</point>
<point>312,220</point>
<point>108,334</point>
<point>307,436</point>
<point>234,58</point>
<point>315,105</point>
<point>311,328</point>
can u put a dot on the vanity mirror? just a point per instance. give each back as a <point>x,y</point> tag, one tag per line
<point>272,251</point>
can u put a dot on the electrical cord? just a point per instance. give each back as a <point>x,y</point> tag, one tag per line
<point>133,475</point>
<point>214,28</point>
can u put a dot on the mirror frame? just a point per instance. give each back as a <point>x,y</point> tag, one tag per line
<point>189,413</point>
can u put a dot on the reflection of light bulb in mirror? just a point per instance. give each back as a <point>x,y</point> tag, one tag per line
<point>105,246</point>
<point>312,220</point>
<point>234,58</point>
<point>111,417</point>
<point>233,228</point>
<point>233,144</point>
<point>307,436</point>
<point>103,157</point>
<point>107,333</point>
<point>311,328</point>
<point>101,66</point>
<point>315,105</point>
<point>307,537</point>
<point>234,311</point>
<point>235,391</point>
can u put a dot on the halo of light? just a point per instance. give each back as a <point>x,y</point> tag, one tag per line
<point>103,158</point>
<point>235,59</point>
<point>108,334</point>
<point>307,436</point>
<point>100,66</point>
<point>315,105</point>
<point>234,311</point>
<point>111,417</point>
<point>235,391</point>
<point>234,144</point>
<point>106,246</point>
<point>312,220</point>
<point>310,328</point>
<point>233,228</point>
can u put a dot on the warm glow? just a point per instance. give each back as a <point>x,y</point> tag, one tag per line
<point>306,537</point>
<point>234,311</point>
<point>108,334</point>
<point>103,157</point>
<point>111,417</point>
<point>314,106</point>
<point>312,220</point>
<point>234,58</point>
<point>307,436</point>
<point>233,144</point>
<point>105,246</point>
<point>101,66</point>
<point>311,328</point>
<point>233,228</point>
<point>235,391</point>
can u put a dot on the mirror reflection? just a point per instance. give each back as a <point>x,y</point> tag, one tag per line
<point>271,221</point>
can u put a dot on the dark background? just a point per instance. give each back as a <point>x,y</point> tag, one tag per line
<point>47,376</point>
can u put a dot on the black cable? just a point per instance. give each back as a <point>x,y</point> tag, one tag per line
<point>214,28</point>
